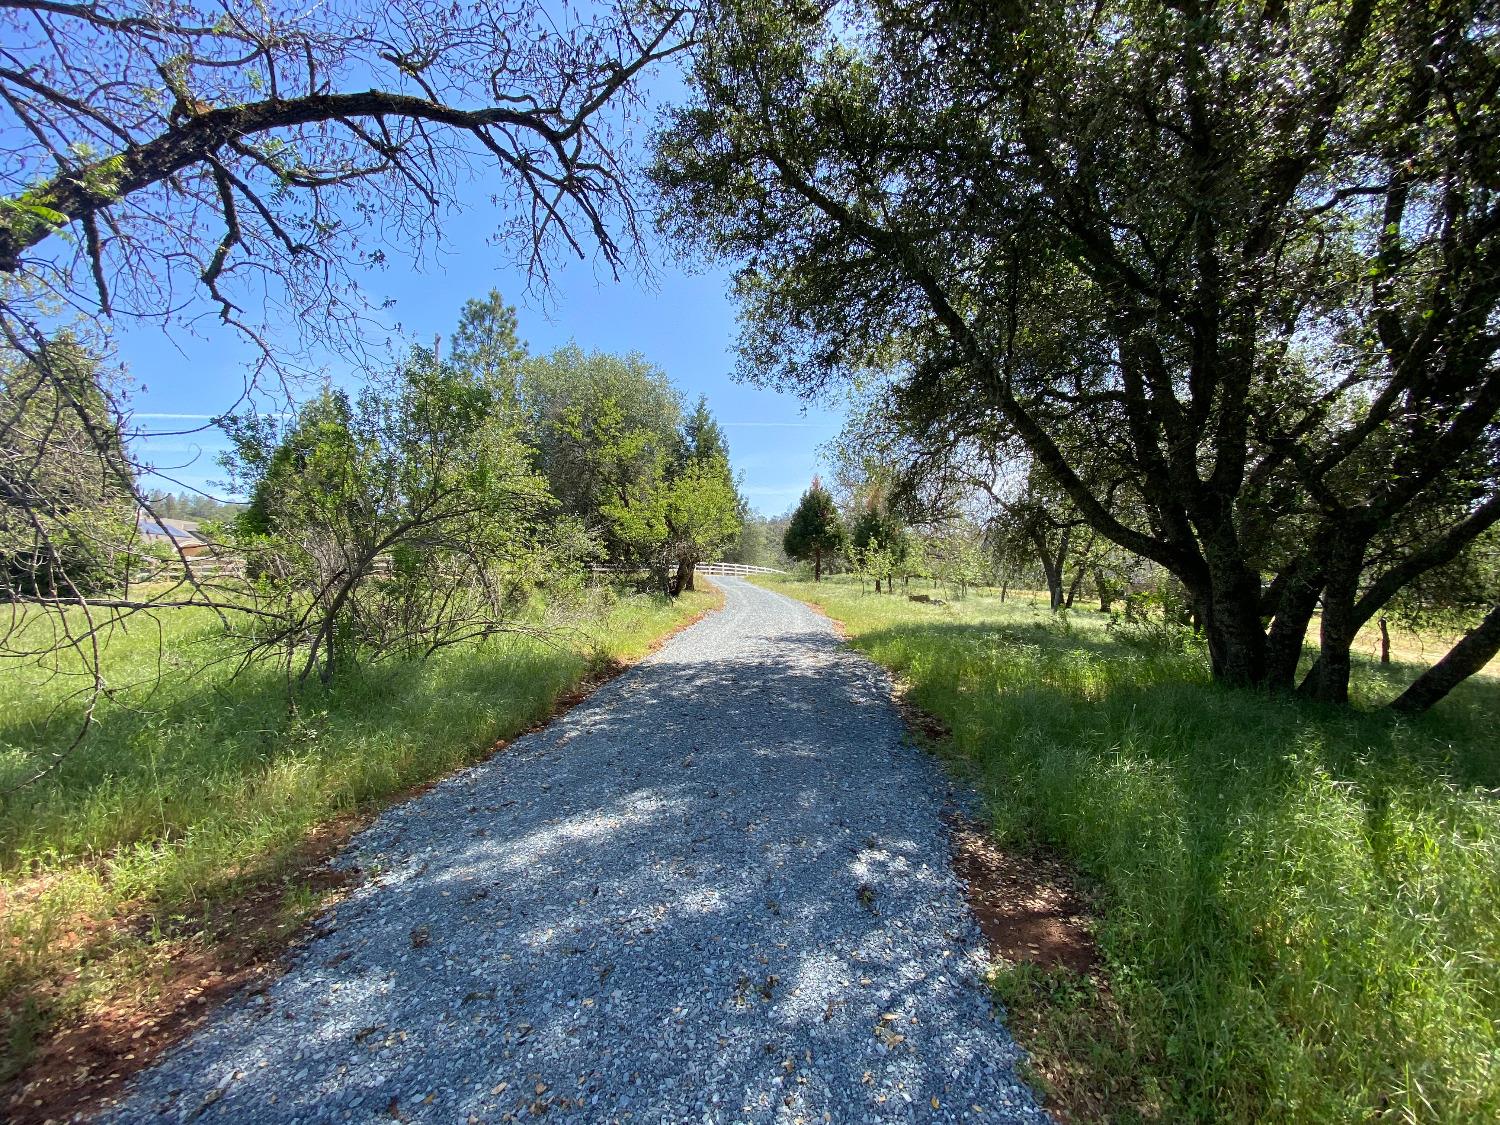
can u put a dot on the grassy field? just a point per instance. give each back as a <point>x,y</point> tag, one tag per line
<point>1299,907</point>
<point>193,788</point>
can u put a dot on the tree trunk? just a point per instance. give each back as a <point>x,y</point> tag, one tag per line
<point>817,564</point>
<point>1106,595</point>
<point>1073,589</point>
<point>1328,679</point>
<point>1229,612</point>
<point>686,569</point>
<point>877,585</point>
<point>1052,566</point>
<point>1236,650</point>
<point>1385,642</point>
<point>1288,633</point>
<point>325,633</point>
<point>1476,649</point>
<point>1054,569</point>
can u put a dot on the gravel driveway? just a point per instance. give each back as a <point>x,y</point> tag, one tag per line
<point>717,890</point>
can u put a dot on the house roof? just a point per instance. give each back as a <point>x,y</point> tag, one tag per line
<point>166,529</point>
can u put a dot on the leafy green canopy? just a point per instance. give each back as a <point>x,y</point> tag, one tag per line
<point>816,531</point>
<point>67,520</point>
<point>654,485</point>
<point>401,519</point>
<point>605,428</point>
<point>1236,262</point>
<point>875,528</point>
<point>878,546</point>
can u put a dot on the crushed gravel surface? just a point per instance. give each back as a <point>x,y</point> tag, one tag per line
<point>716,891</point>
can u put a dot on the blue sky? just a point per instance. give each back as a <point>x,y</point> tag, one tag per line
<point>682,321</point>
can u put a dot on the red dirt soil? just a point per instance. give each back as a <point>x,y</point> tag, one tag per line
<point>1027,905</point>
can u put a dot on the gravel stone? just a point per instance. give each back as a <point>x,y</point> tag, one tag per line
<point>716,891</point>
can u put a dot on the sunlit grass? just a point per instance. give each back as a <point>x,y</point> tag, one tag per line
<point>193,784</point>
<point>1301,905</point>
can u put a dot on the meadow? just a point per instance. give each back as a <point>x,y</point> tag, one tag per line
<point>195,789</point>
<point>1298,907</point>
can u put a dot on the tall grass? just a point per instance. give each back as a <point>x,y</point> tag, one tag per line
<point>1301,905</point>
<point>193,784</point>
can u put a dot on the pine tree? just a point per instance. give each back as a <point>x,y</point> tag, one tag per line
<point>815,530</point>
<point>488,346</point>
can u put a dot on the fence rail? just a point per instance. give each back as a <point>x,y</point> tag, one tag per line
<point>736,570</point>
<point>733,570</point>
<point>228,565</point>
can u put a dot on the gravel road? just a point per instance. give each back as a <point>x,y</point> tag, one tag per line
<point>718,890</point>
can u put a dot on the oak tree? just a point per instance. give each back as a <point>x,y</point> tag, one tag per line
<point>1243,256</point>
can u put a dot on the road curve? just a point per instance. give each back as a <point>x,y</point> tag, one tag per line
<point>718,890</point>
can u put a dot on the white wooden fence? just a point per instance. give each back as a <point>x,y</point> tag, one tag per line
<point>735,570</point>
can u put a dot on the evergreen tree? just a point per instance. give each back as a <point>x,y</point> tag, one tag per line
<point>486,345</point>
<point>704,508</point>
<point>702,437</point>
<point>815,530</point>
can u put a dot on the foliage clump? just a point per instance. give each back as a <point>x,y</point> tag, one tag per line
<point>398,520</point>
<point>816,531</point>
<point>67,520</point>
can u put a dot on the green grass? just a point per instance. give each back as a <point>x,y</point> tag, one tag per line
<point>192,785</point>
<point>1300,905</point>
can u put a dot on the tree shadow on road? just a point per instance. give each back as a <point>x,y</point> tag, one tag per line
<point>724,873</point>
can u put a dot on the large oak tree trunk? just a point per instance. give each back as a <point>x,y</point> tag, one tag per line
<point>686,569</point>
<point>1477,648</point>
<point>1328,679</point>
<point>1288,633</point>
<point>1073,588</point>
<point>1229,611</point>
<point>1054,586</point>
